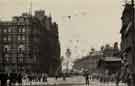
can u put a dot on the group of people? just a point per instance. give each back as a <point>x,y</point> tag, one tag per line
<point>37,77</point>
<point>63,75</point>
<point>9,79</point>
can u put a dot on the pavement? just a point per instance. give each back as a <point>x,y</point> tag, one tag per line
<point>70,81</point>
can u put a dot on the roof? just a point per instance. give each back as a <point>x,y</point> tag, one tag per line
<point>111,59</point>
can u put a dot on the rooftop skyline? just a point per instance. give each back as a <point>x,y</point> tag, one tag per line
<point>82,24</point>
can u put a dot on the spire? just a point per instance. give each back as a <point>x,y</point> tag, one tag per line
<point>30,9</point>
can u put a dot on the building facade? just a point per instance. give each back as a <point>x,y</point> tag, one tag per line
<point>110,64</point>
<point>29,43</point>
<point>89,62</point>
<point>128,37</point>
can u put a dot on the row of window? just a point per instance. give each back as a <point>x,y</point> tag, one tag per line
<point>20,30</point>
<point>19,55</point>
<point>8,47</point>
<point>8,59</point>
<point>19,61</point>
<point>9,38</point>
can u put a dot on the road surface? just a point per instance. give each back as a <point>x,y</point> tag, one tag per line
<point>71,81</point>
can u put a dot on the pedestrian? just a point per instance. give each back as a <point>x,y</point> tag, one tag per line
<point>64,76</point>
<point>118,78</point>
<point>12,78</point>
<point>56,76</point>
<point>19,78</point>
<point>45,77</point>
<point>87,79</point>
<point>86,75</point>
<point>4,78</point>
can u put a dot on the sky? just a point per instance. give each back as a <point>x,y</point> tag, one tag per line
<point>83,24</point>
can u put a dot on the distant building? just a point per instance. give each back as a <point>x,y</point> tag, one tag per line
<point>99,61</point>
<point>29,43</point>
<point>110,60</point>
<point>89,62</point>
<point>110,64</point>
<point>128,36</point>
<point>109,51</point>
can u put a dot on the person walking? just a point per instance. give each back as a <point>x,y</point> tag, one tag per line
<point>45,78</point>
<point>64,76</point>
<point>86,75</point>
<point>19,78</point>
<point>87,79</point>
<point>118,78</point>
<point>56,76</point>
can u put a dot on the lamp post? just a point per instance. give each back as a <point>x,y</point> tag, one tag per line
<point>68,55</point>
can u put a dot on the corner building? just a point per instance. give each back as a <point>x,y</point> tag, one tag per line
<point>128,37</point>
<point>30,44</point>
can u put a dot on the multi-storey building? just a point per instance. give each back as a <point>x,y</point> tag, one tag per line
<point>89,62</point>
<point>128,37</point>
<point>29,43</point>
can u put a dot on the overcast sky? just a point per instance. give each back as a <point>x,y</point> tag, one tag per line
<point>93,22</point>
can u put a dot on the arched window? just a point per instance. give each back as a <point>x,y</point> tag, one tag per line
<point>9,30</point>
<point>23,30</point>
<point>21,47</point>
<point>7,57</point>
<point>6,47</point>
<point>5,30</point>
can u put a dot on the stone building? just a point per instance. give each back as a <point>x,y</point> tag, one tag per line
<point>110,64</point>
<point>29,43</point>
<point>128,36</point>
<point>89,62</point>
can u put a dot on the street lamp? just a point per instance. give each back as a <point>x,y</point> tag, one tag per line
<point>68,54</point>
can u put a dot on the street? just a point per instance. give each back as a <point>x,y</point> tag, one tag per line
<point>70,81</point>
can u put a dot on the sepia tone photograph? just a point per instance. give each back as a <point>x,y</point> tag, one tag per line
<point>67,43</point>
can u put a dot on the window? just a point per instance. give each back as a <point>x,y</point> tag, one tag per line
<point>5,30</point>
<point>21,19</point>
<point>19,37</point>
<point>23,38</point>
<point>5,38</point>
<point>9,38</point>
<point>23,29</point>
<point>20,30</point>
<point>21,47</point>
<point>6,47</point>
<point>7,57</point>
<point>9,29</point>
